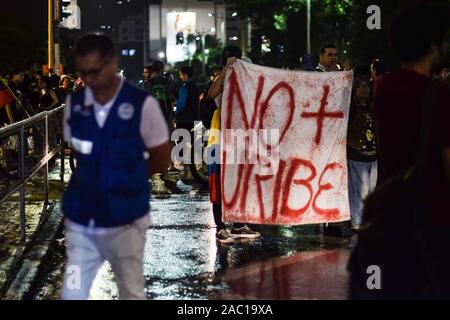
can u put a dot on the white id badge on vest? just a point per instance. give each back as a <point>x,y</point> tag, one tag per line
<point>82,146</point>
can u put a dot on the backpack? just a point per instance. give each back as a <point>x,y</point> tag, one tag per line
<point>159,92</point>
<point>207,106</point>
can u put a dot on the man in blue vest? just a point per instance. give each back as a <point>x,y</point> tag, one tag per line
<point>120,138</point>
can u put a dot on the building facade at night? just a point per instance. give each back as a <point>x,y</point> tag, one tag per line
<point>169,30</point>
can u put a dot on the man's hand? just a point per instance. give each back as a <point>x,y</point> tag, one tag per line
<point>231,61</point>
<point>159,158</point>
<point>217,86</point>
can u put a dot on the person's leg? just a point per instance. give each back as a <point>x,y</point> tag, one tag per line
<point>83,262</point>
<point>373,176</point>
<point>125,251</point>
<point>217,211</point>
<point>222,234</point>
<point>358,188</point>
<point>186,172</point>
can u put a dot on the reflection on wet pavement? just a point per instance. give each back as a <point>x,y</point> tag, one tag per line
<point>182,260</point>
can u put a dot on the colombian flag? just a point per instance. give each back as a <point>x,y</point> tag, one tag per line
<point>215,192</point>
<point>5,94</point>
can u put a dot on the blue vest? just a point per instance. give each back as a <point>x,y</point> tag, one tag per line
<point>110,184</point>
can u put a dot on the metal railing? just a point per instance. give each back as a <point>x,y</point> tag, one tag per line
<point>45,126</point>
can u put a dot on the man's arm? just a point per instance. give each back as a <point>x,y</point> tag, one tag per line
<point>159,158</point>
<point>446,162</point>
<point>55,100</point>
<point>217,86</point>
<point>155,134</point>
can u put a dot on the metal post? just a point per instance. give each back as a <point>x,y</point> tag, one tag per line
<point>308,27</point>
<point>22,189</point>
<point>222,30</point>
<point>51,46</point>
<point>216,27</point>
<point>45,168</point>
<point>146,29</point>
<point>203,52</point>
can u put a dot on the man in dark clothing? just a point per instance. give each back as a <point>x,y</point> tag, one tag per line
<point>15,85</point>
<point>187,105</point>
<point>187,110</point>
<point>159,88</point>
<point>418,37</point>
<point>30,87</point>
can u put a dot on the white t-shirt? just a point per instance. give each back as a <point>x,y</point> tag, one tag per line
<point>154,132</point>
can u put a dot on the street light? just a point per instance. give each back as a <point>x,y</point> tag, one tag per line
<point>222,24</point>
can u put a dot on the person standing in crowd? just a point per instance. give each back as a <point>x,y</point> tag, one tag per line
<point>48,99</point>
<point>120,139</point>
<point>30,87</point>
<point>239,230</point>
<point>187,104</point>
<point>159,88</point>
<point>418,38</point>
<point>328,63</point>
<point>17,78</point>
<point>328,59</point>
<point>65,87</point>
<point>361,145</point>
<point>187,111</point>
<point>377,69</point>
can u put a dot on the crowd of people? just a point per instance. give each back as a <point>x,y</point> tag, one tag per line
<point>31,92</point>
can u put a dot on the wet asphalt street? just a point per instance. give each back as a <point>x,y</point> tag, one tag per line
<point>183,261</point>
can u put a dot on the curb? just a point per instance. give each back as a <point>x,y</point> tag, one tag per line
<point>34,255</point>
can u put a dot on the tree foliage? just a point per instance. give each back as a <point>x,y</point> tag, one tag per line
<point>342,22</point>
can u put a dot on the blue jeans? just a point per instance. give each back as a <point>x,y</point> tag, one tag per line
<point>362,180</point>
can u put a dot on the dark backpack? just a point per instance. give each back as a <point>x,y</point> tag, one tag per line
<point>207,106</point>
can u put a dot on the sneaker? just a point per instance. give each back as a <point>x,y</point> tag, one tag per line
<point>244,232</point>
<point>223,236</point>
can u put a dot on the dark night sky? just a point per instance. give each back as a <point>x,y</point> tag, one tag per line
<point>23,26</point>
<point>24,11</point>
<point>23,32</point>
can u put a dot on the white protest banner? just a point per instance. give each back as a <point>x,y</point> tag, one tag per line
<point>283,157</point>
